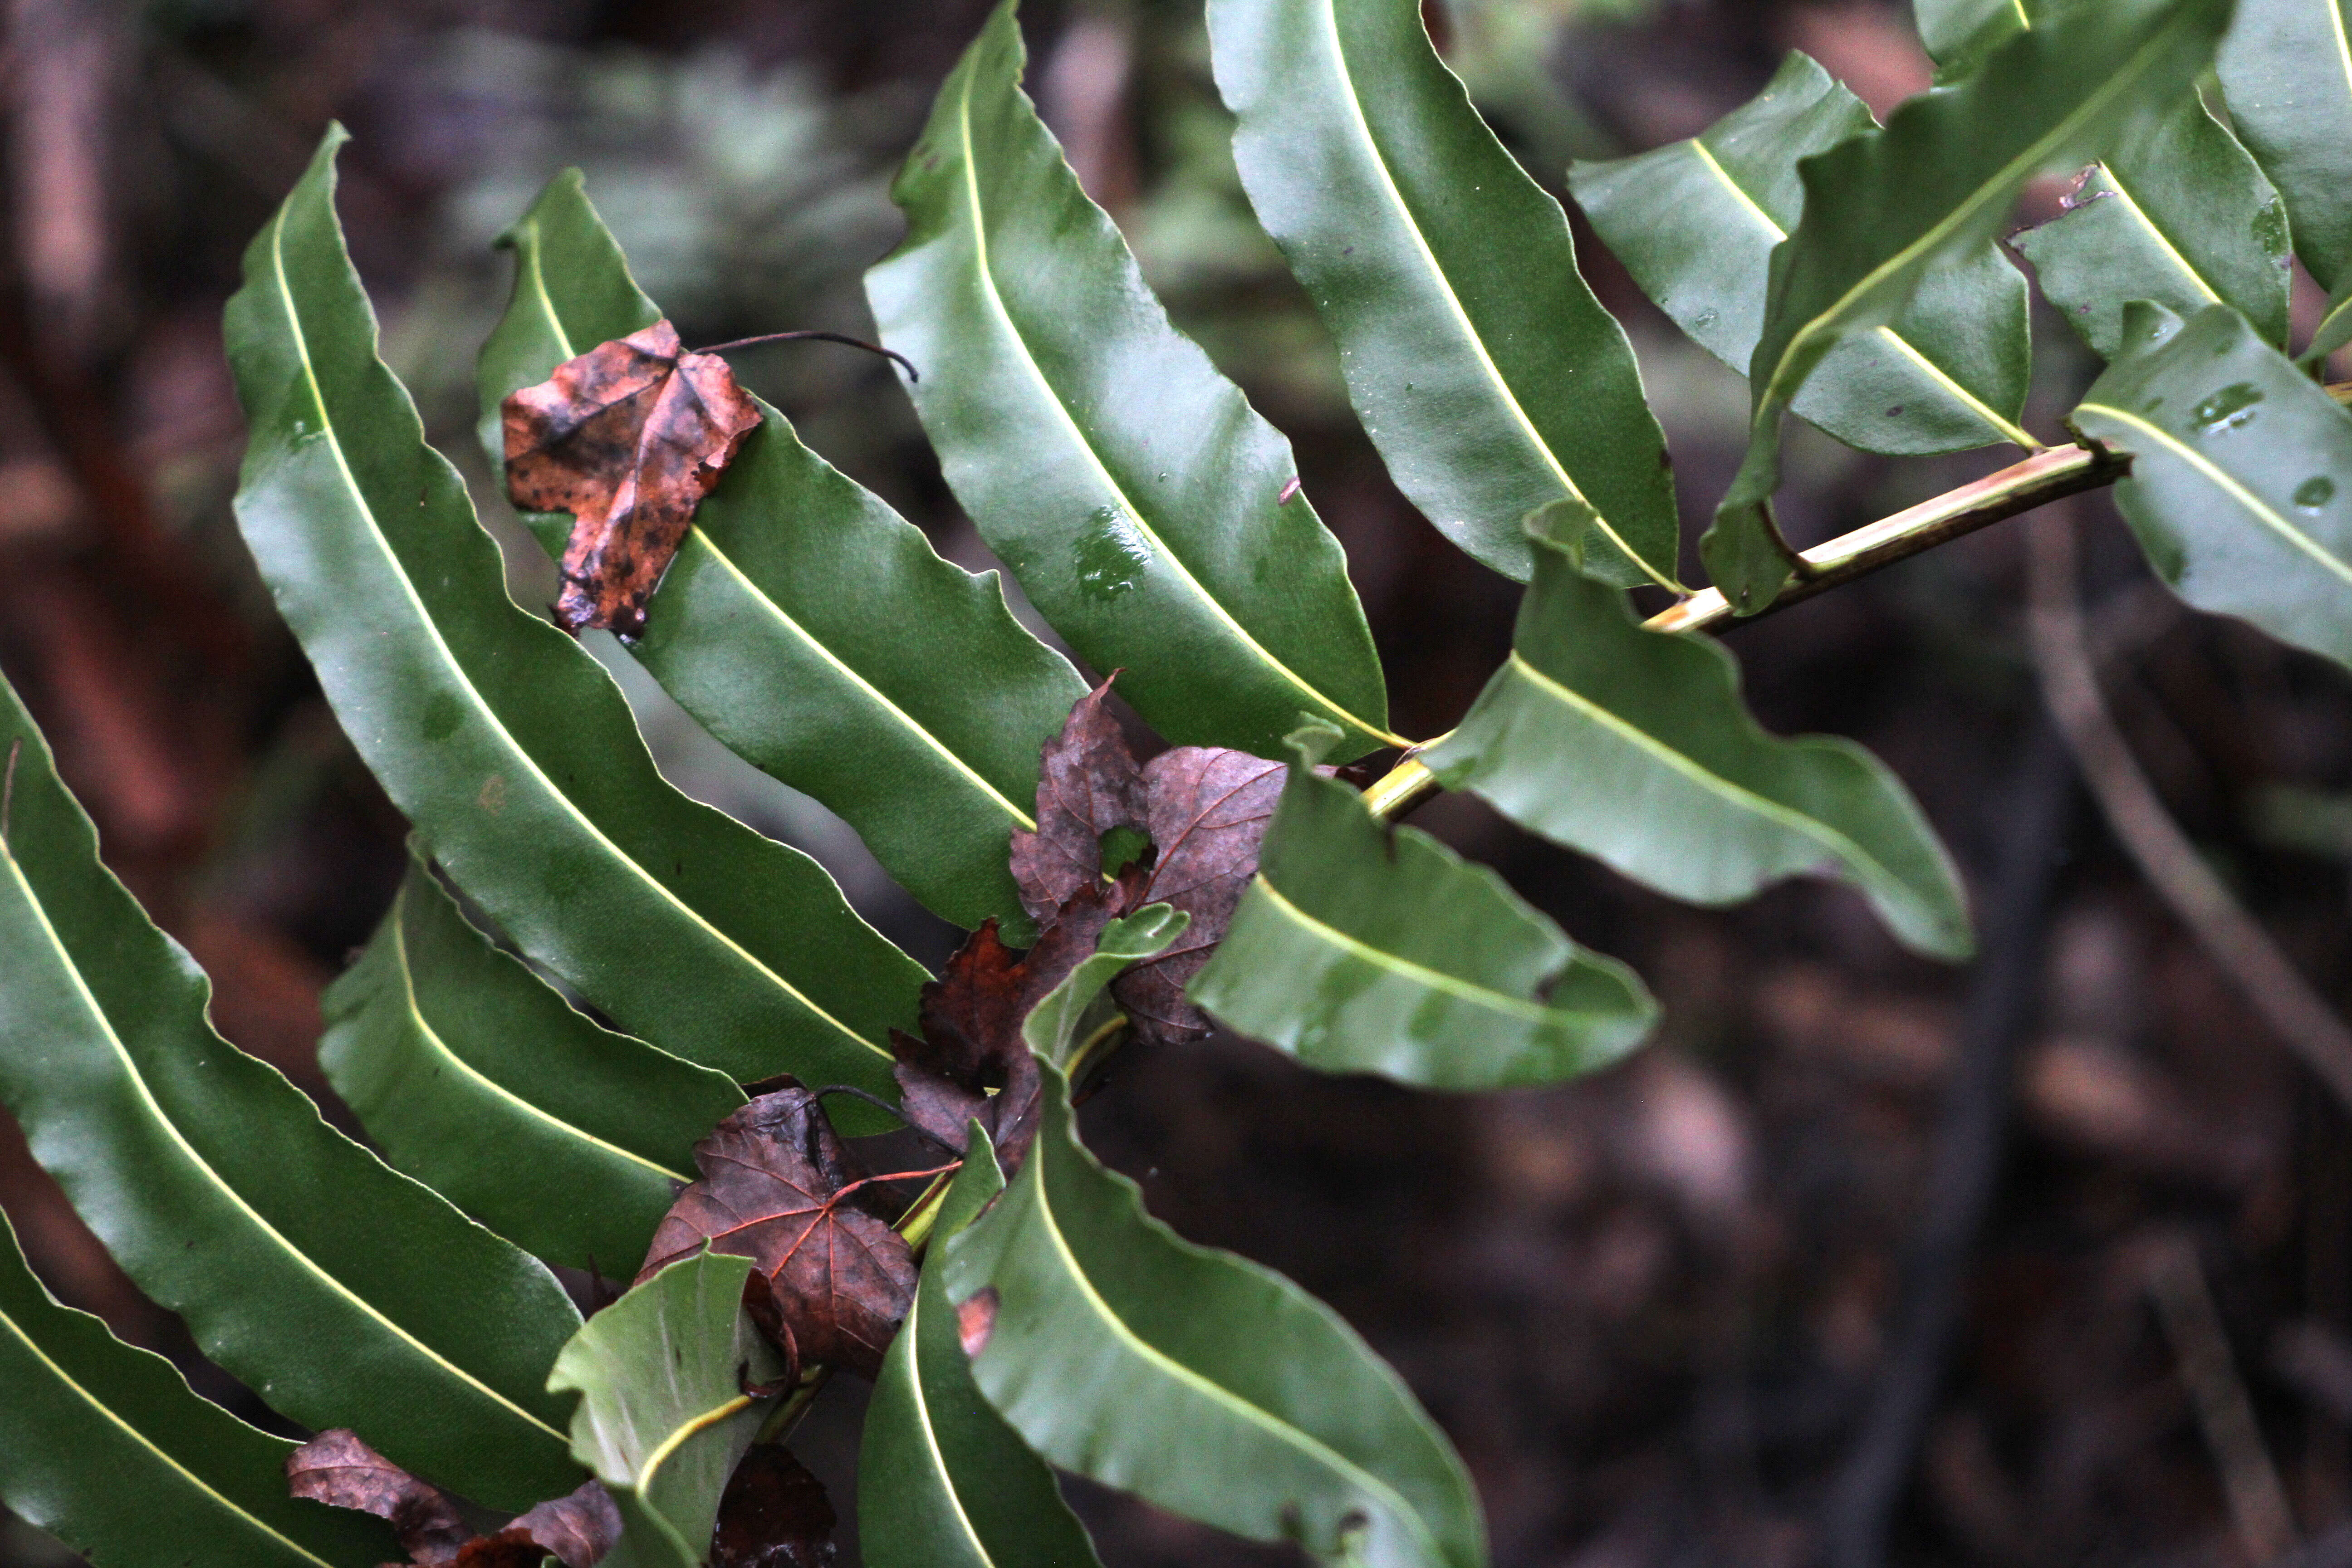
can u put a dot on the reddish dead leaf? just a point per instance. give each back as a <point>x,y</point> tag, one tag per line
<point>1088,785</point>
<point>576,1531</point>
<point>969,1011</point>
<point>1208,815</point>
<point>338,1469</point>
<point>776,1186</point>
<point>969,1063</point>
<point>774,1514</point>
<point>628,437</point>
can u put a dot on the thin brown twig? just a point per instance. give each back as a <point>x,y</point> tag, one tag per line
<point>812,336</point>
<point>2225,1415</point>
<point>2288,1004</point>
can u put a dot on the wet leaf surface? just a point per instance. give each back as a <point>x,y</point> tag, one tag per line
<point>776,1188</point>
<point>628,437</point>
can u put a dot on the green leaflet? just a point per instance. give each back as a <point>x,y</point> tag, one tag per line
<point>2240,485</point>
<point>1880,212</point>
<point>341,1292</point>
<point>1196,1380</point>
<point>943,1482</point>
<point>1363,948</point>
<point>1960,34</point>
<point>1063,1018</point>
<point>1147,511</point>
<point>2286,72</point>
<point>1486,372</point>
<point>1697,222</point>
<point>104,1446</point>
<point>2179,214</point>
<point>499,737</point>
<point>806,624</point>
<point>476,1078</point>
<point>1634,747</point>
<point>2335,327</point>
<point>663,1418</point>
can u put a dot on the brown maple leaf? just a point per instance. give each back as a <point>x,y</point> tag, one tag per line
<point>628,437</point>
<point>777,1188</point>
<point>774,1514</point>
<point>338,1469</point>
<point>1208,812</point>
<point>1088,785</point>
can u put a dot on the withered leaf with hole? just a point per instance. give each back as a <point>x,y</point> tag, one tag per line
<point>1088,784</point>
<point>774,1514</point>
<point>338,1469</point>
<point>773,1189</point>
<point>1208,812</point>
<point>629,438</point>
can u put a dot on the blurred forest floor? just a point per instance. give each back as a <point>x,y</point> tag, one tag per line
<point>1651,1307</point>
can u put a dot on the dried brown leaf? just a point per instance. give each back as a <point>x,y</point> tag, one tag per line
<point>775,1188</point>
<point>576,1531</point>
<point>628,437</point>
<point>338,1469</point>
<point>971,1062</point>
<point>774,1514</point>
<point>1088,785</point>
<point>1208,815</point>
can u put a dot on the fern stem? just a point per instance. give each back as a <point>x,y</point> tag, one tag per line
<point>2044,477</point>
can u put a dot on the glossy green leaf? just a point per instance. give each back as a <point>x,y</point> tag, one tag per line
<point>1366,948</point>
<point>340,1291</point>
<point>2240,485</point>
<point>2179,214</point>
<point>1960,34</point>
<point>1695,223</point>
<point>1487,374</point>
<point>1196,1380</point>
<point>1065,1017</point>
<point>104,1446</point>
<point>1882,212</point>
<point>804,623</point>
<point>1635,747</point>
<point>943,1482</point>
<point>476,1078</point>
<point>662,1418</point>
<point>503,739</point>
<point>1151,515</point>
<point>2286,72</point>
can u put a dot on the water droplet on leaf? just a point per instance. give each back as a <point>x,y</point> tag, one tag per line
<point>1112,552</point>
<point>2227,409</point>
<point>2314,492</point>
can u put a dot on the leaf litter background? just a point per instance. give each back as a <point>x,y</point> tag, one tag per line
<point>1649,1307</point>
